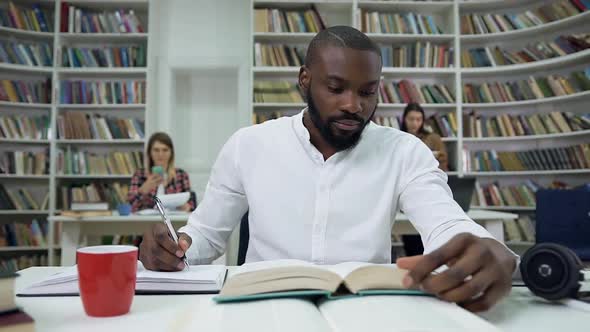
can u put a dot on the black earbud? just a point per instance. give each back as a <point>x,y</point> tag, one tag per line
<point>552,271</point>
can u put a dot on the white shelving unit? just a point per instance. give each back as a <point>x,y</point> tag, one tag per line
<point>455,77</point>
<point>57,39</point>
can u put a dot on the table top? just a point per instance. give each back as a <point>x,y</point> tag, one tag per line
<point>520,311</point>
<point>478,215</point>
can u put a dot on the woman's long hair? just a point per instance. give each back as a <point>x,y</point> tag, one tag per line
<point>166,140</point>
<point>416,108</point>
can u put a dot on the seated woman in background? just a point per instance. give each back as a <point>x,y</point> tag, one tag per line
<point>413,123</point>
<point>148,182</point>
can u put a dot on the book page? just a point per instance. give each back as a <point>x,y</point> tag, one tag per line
<point>264,265</point>
<point>199,274</point>
<point>344,269</point>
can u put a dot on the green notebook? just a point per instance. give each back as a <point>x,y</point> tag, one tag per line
<point>298,279</point>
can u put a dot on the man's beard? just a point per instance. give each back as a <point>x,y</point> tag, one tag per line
<point>325,127</point>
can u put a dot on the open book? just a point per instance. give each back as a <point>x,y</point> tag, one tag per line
<point>202,279</point>
<point>294,278</point>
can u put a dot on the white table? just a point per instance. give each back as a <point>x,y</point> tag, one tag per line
<point>73,229</point>
<point>518,312</point>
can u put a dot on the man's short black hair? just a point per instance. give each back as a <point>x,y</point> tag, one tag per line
<point>339,36</point>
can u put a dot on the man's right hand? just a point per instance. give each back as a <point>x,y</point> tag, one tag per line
<point>159,252</point>
<point>152,181</point>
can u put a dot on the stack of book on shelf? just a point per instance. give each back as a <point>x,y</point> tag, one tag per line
<point>506,125</point>
<point>102,92</point>
<point>22,262</point>
<point>444,125</point>
<point>398,23</point>
<point>262,117</point>
<point>19,234</point>
<point>540,50</point>
<point>96,196</point>
<point>406,91</point>
<point>564,158</point>
<point>24,127</point>
<point>34,18</point>
<point>112,57</point>
<point>80,20</point>
<point>33,91</point>
<point>26,53</point>
<point>277,92</point>
<point>533,88</point>
<point>279,20</point>
<point>278,55</point>
<point>387,121</point>
<point>523,230</point>
<point>74,162</point>
<point>24,162</point>
<point>21,199</point>
<point>493,194</point>
<point>77,125</point>
<point>494,23</point>
<point>12,319</point>
<point>418,55</point>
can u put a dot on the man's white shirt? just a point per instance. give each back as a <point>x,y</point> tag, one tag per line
<point>326,212</point>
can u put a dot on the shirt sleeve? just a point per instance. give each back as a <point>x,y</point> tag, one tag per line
<point>428,202</point>
<point>223,205</point>
<point>186,186</point>
<point>137,200</point>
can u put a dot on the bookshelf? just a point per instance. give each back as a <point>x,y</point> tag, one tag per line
<point>75,34</point>
<point>448,16</point>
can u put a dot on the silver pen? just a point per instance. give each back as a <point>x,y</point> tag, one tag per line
<point>168,223</point>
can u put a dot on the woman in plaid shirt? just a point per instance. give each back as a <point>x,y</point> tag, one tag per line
<point>145,184</point>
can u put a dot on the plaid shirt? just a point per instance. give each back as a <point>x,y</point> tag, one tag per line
<point>180,183</point>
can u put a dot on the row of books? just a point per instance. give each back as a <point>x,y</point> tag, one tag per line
<point>112,57</point>
<point>541,50</point>
<point>82,20</point>
<point>20,234</point>
<point>494,23</point>
<point>277,92</point>
<point>112,193</point>
<point>505,125</point>
<point>102,92</point>
<point>24,162</point>
<point>279,20</point>
<point>399,23</point>
<point>25,127</point>
<point>573,157</point>
<point>523,230</point>
<point>32,18</point>
<point>133,240</point>
<point>18,91</point>
<point>406,91</point>
<point>30,54</point>
<point>77,125</point>
<point>533,88</point>
<point>73,162</point>
<point>13,264</point>
<point>259,117</point>
<point>420,54</point>
<point>278,55</point>
<point>492,194</point>
<point>21,199</point>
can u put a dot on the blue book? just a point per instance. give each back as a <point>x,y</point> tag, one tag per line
<point>40,19</point>
<point>586,3</point>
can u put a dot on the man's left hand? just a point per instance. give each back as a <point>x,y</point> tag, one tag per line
<point>479,273</point>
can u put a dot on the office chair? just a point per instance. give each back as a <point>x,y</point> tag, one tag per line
<point>244,238</point>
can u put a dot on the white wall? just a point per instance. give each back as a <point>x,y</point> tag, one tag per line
<point>199,79</point>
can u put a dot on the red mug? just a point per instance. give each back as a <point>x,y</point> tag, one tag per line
<point>106,277</point>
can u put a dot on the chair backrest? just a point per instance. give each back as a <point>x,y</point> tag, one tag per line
<point>563,217</point>
<point>462,189</point>
<point>244,239</point>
